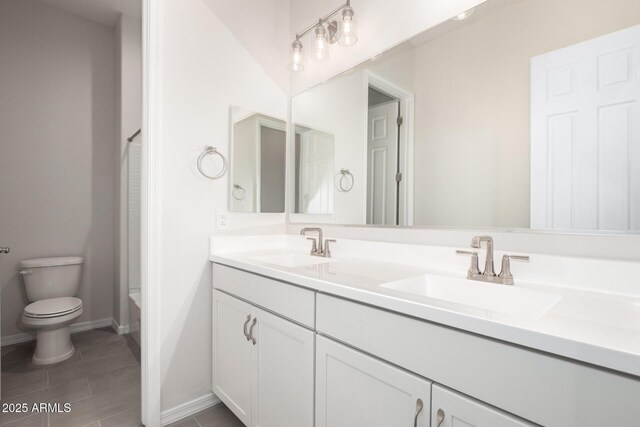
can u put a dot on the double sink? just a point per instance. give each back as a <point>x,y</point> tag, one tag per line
<point>519,302</point>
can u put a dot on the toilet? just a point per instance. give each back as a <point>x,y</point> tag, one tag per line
<point>51,285</point>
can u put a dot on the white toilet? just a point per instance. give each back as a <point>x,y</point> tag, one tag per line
<point>51,284</point>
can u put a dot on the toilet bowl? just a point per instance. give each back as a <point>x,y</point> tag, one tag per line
<point>51,284</point>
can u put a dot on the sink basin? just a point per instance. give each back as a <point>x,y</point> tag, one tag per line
<point>292,260</point>
<point>511,300</point>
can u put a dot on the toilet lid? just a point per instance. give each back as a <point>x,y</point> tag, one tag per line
<point>53,307</point>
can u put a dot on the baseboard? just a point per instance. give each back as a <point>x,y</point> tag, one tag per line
<point>76,327</point>
<point>120,330</point>
<point>187,409</point>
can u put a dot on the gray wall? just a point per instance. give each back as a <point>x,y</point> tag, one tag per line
<point>272,169</point>
<point>57,142</point>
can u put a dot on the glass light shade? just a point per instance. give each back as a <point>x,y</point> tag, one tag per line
<point>348,33</point>
<point>296,64</point>
<point>464,15</point>
<point>321,45</point>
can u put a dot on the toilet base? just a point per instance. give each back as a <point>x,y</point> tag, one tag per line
<point>53,346</point>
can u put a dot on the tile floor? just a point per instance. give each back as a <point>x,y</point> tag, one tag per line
<point>217,416</point>
<point>101,382</point>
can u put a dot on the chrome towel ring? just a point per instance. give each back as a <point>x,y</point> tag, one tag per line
<point>345,181</point>
<point>238,192</point>
<point>212,150</point>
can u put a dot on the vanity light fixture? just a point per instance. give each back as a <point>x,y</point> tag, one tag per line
<point>327,31</point>
<point>321,45</point>
<point>464,15</point>
<point>297,58</point>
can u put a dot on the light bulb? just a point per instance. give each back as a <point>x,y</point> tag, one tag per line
<point>321,47</point>
<point>297,58</point>
<point>348,36</point>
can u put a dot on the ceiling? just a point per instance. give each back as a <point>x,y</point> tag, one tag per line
<point>103,11</point>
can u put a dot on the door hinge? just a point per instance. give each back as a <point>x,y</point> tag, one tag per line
<point>400,120</point>
<point>399,177</point>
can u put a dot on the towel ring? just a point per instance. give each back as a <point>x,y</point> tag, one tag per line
<point>346,181</point>
<point>238,192</point>
<point>212,150</point>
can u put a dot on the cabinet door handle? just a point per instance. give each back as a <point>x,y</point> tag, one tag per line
<point>244,328</point>
<point>251,337</point>
<point>439,417</point>
<point>419,406</point>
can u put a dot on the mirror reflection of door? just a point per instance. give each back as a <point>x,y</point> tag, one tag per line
<point>383,165</point>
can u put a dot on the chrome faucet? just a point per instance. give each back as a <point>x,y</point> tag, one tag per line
<point>476,243</point>
<point>319,246</point>
<point>488,275</point>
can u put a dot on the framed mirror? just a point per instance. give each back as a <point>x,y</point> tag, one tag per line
<point>523,115</point>
<point>258,156</point>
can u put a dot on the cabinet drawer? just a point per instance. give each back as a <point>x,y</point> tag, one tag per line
<point>356,390</point>
<point>536,386</point>
<point>287,300</point>
<point>450,409</point>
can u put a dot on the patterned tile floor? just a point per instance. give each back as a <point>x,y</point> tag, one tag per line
<point>101,382</point>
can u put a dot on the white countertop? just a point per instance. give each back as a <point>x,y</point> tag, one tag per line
<point>587,326</point>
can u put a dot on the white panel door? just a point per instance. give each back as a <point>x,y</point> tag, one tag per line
<point>585,135</point>
<point>232,354</point>
<point>316,172</point>
<point>283,373</point>
<point>382,164</point>
<point>450,409</point>
<point>356,390</point>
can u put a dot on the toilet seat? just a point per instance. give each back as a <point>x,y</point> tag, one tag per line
<point>54,307</point>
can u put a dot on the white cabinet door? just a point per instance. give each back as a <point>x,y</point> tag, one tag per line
<point>232,354</point>
<point>283,373</point>
<point>356,390</point>
<point>450,409</point>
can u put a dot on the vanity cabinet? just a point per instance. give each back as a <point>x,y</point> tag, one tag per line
<point>357,390</point>
<point>451,409</point>
<point>263,365</point>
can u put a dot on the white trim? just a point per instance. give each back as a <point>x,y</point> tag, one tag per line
<point>76,327</point>
<point>406,134</point>
<point>150,220</point>
<point>120,330</point>
<point>189,408</point>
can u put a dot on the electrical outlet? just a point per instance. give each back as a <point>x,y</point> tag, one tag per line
<point>221,219</point>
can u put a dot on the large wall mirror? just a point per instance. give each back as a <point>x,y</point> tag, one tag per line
<point>524,115</point>
<point>258,155</point>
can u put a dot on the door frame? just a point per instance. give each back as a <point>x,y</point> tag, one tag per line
<point>150,243</point>
<point>271,124</point>
<point>405,156</point>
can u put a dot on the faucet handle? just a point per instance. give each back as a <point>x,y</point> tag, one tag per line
<point>505,274</point>
<point>314,245</point>
<point>474,269</point>
<point>327,251</point>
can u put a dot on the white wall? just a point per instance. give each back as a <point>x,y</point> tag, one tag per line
<point>128,33</point>
<point>262,28</point>
<point>472,130</point>
<point>57,163</point>
<point>205,71</point>
<point>339,108</point>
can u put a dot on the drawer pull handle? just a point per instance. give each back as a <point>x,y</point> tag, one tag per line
<point>244,328</point>
<point>251,337</point>
<point>439,417</point>
<point>419,406</point>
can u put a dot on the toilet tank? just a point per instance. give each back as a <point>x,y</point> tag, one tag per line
<point>56,277</point>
